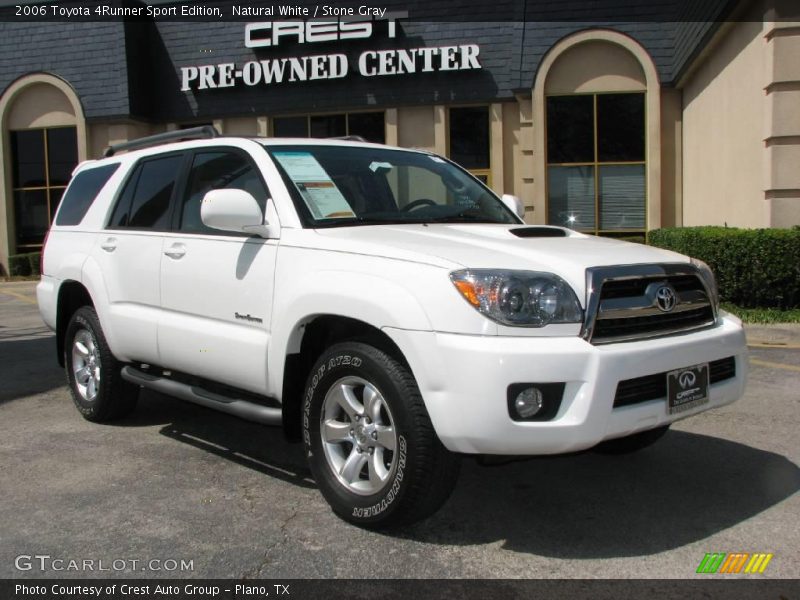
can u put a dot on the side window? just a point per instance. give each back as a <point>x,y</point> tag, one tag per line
<point>122,210</point>
<point>214,171</point>
<point>145,201</point>
<point>81,193</point>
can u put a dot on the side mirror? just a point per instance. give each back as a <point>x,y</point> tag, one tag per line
<point>233,210</point>
<point>514,204</point>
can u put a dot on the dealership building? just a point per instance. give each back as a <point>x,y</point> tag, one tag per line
<point>615,125</point>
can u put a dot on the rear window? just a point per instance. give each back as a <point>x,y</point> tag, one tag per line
<point>81,192</point>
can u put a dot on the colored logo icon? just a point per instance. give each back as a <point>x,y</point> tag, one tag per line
<point>734,562</point>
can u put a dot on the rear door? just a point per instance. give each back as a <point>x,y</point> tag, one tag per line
<point>216,287</point>
<point>129,253</point>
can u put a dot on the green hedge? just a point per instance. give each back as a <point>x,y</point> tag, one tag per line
<point>24,265</point>
<point>754,267</point>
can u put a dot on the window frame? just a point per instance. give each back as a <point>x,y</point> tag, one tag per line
<point>477,173</point>
<point>47,188</point>
<point>183,188</point>
<point>596,165</point>
<point>135,172</point>
<point>347,113</point>
<point>114,166</point>
<point>308,221</point>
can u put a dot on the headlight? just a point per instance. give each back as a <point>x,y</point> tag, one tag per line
<point>708,278</point>
<point>519,298</point>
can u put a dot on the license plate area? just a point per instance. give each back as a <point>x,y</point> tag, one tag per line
<point>687,388</point>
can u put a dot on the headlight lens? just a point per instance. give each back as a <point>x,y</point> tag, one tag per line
<point>708,277</point>
<point>519,298</point>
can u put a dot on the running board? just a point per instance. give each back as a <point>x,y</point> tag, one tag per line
<point>243,409</point>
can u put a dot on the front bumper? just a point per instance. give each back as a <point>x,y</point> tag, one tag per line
<point>463,380</point>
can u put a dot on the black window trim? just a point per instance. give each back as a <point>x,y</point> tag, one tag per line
<point>135,172</point>
<point>184,184</point>
<point>57,216</point>
<point>307,221</point>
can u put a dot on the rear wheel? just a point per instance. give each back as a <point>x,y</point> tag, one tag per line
<point>369,440</point>
<point>98,390</point>
<point>632,443</point>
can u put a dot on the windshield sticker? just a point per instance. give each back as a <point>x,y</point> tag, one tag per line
<point>375,165</point>
<point>319,192</point>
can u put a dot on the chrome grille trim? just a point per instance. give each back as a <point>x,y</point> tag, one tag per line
<point>697,297</point>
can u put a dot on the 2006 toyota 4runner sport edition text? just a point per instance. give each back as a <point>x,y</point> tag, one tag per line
<point>382,305</point>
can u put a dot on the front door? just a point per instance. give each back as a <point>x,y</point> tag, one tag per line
<point>216,287</point>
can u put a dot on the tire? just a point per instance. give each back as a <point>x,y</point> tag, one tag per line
<point>98,390</point>
<point>369,441</point>
<point>632,443</point>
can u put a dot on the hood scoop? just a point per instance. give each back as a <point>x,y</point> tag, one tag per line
<point>538,232</point>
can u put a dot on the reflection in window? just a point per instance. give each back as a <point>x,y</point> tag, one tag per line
<point>145,201</point>
<point>42,161</point>
<point>217,171</point>
<point>596,162</point>
<point>572,196</point>
<point>82,193</point>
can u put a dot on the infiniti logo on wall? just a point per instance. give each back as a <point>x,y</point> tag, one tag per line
<point>665,298</point>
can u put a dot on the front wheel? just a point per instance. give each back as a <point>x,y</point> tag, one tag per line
<point>369,441</point>
<point>93,374</point>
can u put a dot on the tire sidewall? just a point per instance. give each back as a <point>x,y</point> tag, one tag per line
<point>80,321</point>
<point>352,360</point>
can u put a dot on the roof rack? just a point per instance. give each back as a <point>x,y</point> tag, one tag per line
<point>195,133</point>
<point>348,138</point>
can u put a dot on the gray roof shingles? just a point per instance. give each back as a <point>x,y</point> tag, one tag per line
<point>132,69</point>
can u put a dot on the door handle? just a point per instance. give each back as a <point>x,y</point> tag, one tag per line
<point>175,251</point>
<point>109,245</point>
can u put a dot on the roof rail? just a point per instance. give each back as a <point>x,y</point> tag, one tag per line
<point>195,133</point>
<point>348,138</point>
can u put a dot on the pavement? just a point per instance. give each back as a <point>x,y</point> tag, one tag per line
<point>178,482</point>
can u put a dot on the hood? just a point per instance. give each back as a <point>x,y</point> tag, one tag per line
<point>454,246</point>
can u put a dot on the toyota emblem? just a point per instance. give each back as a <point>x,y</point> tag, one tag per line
<point>665,298</point>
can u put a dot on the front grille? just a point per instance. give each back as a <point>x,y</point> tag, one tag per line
<point>653,387</point>
<point>627,309</point>
<point>625,288</point>
<point>630,327</point>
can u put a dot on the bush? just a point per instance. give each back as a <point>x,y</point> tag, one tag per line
<point>24,265</point>
<point>754,267</point>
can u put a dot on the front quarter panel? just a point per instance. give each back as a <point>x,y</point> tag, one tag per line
<point>378,291</point>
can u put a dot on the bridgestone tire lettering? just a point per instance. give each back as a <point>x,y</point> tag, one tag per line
<point>424,473</point>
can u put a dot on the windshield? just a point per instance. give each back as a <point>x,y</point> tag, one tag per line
<point>348,185</point>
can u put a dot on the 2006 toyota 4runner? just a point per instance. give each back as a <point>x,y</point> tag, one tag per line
<point>383,305</point>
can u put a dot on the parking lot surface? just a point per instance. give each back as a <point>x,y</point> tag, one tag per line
<point>178,482</point>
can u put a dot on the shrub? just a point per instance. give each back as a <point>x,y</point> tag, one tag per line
<point>24,265</point>
<point>754,267</point>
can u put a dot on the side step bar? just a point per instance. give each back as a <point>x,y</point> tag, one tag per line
<point>243,409</point>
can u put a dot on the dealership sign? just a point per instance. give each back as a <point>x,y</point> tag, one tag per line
<point>369,63</point>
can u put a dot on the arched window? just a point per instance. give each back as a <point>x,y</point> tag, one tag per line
<point>42,129</point>
<point>598,118</point>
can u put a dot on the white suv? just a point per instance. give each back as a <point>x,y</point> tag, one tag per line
<point>383,305</point>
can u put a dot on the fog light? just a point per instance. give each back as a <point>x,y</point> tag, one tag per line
<point>528,402</point>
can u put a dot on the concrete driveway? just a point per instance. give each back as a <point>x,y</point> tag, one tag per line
<point>231,499</point>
